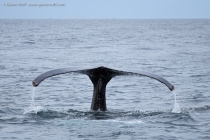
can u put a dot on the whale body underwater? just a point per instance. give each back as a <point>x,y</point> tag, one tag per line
<point>100,77</point>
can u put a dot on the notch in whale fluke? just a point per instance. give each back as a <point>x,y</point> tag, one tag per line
<point>100,77</point>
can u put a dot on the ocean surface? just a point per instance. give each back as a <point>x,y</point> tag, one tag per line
<point>138,107</point>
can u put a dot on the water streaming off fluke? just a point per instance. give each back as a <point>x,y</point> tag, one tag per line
<point>176,108</point>
<point>32,108</point>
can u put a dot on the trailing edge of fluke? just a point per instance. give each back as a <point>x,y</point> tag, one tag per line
<point>100,77</point>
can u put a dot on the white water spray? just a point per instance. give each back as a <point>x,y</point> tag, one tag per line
<point>176,108</point>
<point>32,108</point>
<point>32,97</point>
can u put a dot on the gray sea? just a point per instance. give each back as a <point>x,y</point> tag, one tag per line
<point>138,107</point>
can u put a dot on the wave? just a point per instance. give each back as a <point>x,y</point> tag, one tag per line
<point>92,115</point>
<point>41,115</point>
<point>198,109</point>
<point>114,114</point>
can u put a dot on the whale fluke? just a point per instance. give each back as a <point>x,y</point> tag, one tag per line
<point>100,77</point>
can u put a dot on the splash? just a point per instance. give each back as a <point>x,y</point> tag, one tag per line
<point>32,97</point>
<point>32,108</point>
<point>176,108</point>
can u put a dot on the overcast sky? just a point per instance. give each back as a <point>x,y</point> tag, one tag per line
<point>104,9</point>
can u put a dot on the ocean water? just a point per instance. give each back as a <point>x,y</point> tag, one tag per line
<point>138,107</point>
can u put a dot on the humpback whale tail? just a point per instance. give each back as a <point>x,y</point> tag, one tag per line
<point>100,77</point>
